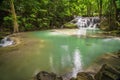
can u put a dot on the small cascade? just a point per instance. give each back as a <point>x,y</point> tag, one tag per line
<point>77,63</point>
<point>90,26</point>
<point>6,42</point>
<point>86,23</point>
<point>94,26</point>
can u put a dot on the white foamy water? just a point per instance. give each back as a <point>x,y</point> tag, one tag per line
<point>6,42</point>
<point>77,63</point>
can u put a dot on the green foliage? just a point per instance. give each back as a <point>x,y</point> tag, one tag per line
<point>42,14</point>
<point>7,18</point>
<point>118,3</point>
<point>29,26</point>
<point>8,21</point>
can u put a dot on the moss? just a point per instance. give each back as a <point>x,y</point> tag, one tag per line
<point>70,25</point>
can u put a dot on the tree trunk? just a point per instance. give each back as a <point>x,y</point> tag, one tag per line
<point>115,10</point>
<point>88,8</point>
<point>97,1</point>
<point>15,24</point>
<point>100,10</point>
<point>110,9</point>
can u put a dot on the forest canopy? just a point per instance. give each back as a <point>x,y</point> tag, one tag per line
<point>45,14</point>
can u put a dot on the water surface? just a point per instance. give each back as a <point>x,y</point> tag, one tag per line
<point>53,52</point>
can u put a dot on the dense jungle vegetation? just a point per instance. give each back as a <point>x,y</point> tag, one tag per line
<point>27,15</point>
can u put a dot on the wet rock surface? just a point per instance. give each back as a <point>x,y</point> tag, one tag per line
<point>47,76</point>
<point>83,76</point>
<point>108,72</point>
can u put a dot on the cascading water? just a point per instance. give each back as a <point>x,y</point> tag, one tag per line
<point>85,23</point>
<point>6,42</point>
<point>77,63</point>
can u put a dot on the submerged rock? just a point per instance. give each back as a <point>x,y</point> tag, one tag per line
<point>47,76</point>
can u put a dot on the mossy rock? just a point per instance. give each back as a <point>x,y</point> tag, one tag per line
<point>84,76</point>
<point>108,72</point>
<point>43,75</point>
<point>70,25</point>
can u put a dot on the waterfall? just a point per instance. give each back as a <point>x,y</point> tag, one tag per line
<point>6,42</point>
<point>77,63</point>
<point>87,22</point>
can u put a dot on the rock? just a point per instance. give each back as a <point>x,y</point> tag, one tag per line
<point>73,78</point>
<point>8,39</point>
<point>118,54</point>
<point>47,76</point>
<point>108,72</point>
<point>83,76</point>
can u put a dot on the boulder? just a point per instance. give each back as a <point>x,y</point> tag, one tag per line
<point>47,76</point>
<point>83,76</point>
<point>118,53</point>
<point>108,72</point>
<point>73,78</point>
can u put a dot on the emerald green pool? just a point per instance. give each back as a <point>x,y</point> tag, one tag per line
<point>58,53</point>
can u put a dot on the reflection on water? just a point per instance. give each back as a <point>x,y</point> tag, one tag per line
<point>77,62</point>
<point>55,53</point>
<point>51,64</point>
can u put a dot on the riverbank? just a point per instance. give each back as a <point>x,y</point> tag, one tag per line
<point>73,32</point>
